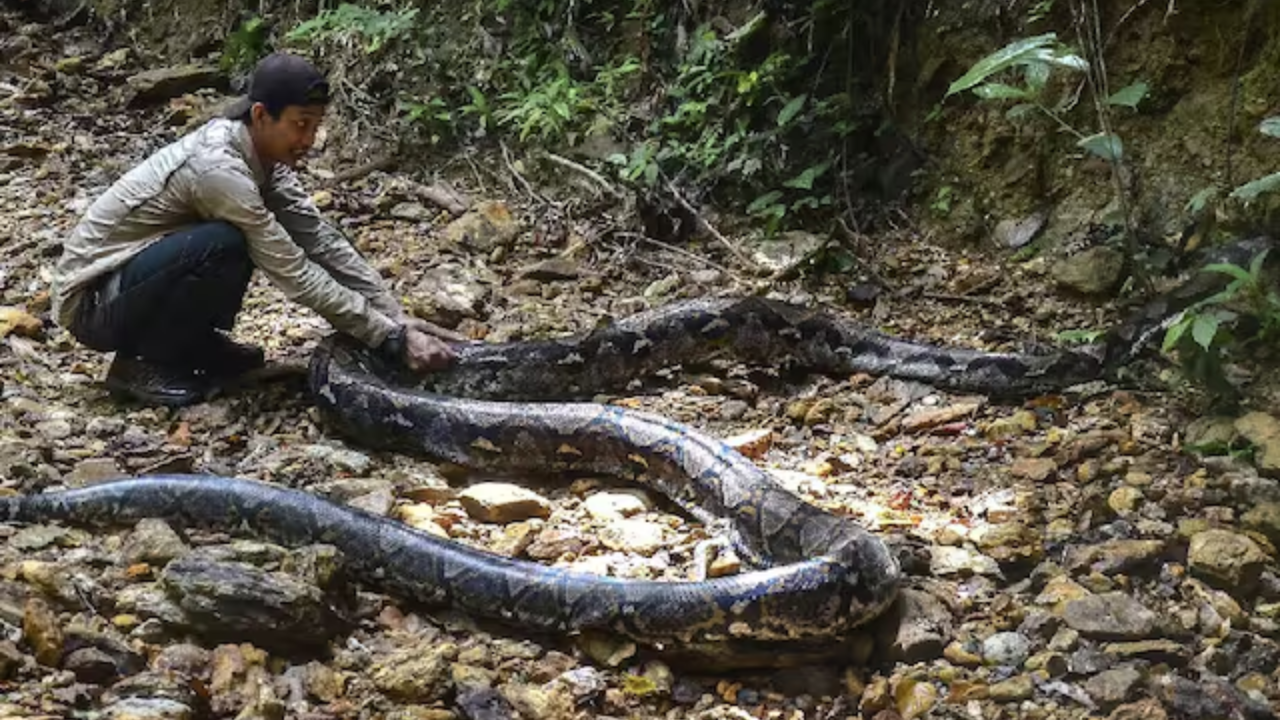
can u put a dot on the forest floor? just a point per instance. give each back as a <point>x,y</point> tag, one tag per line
<point>1076,560</point>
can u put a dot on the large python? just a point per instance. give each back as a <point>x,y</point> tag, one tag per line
<point>813,575</point>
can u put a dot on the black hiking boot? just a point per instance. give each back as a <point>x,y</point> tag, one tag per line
<point>136,379</point>
<point>227,359</point>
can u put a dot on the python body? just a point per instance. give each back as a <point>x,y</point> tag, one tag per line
<point>813,575</point>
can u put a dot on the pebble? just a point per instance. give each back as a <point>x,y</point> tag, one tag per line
<point>498,502</point>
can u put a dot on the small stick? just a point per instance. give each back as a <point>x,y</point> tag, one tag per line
<point>671,188</point>
<point>584,170</point>
<point>683,253</point>
<point>386,162</point>
<point>963,298</point>
<point>506,157</point>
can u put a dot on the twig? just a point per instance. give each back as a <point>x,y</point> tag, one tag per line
<point>583,170</point>
<point>706,226</point>
<point>506,157</point>
<point>962,298</point>
<point>682,252</point>
<point>386,162</point>
<point>444,197</point>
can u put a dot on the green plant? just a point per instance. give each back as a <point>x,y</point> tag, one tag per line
<point>1202,335</point>
<point>245,46</point>
<point>349,22</point>
<point>1029,62</point>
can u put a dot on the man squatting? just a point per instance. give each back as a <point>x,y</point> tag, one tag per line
<point>157,268</point>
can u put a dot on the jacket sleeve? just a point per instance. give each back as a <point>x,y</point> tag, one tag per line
<point>324,244</point>
<point>230,194</point>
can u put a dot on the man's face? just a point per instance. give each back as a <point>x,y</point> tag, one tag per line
<point>288,138</point>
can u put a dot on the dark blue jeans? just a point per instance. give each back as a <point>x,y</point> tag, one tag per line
<point>167,303</point>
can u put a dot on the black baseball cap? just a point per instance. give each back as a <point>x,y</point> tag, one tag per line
<point>280,80</point>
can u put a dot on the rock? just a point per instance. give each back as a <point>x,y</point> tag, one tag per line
<point>1006,648</point>
<point>498,502</point>
<point>1156,650</point>
<point>633,535</point>
<point>785,252</point>
<point>1009,542</point>
<point>546,702</point>
<point>947,561</point>
<point>11,660</point>
<point>418,673</point>
<point>144,708</point>
<point>1095,271</point>
<point>163,84</point>
<point>1034,469</point>
<point>1014,234</point>
<point>551,270</point>
<point>914,698</point>
<point>447,295</point>
<point>1263,432</point>
<point>152,541</point>
<point>351,461</point>
<point>1020,423</point>
<point>234,602</point>
<point>1146,709</point>
<point>1124,500</point>
<point>484,703</point>
<point>1116,556</point>
<point>1211,432</point>
<point>43,632</point>
<point>484,227</point>
<point>1206,697</point>
<point>1109,616</point>
<point>933,417</point>
<point>16,321</point>
<point>94,470</point>
<point>1015,689</point>
<point>412,211</point>
<point>606,506</point>
<point>1113,687</point>
<point>91,665</point>
<point>1228,560</point>
<point>920,627</point>
<point>1264,518</point>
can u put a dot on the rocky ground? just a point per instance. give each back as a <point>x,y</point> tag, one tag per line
<point>1076,559</point>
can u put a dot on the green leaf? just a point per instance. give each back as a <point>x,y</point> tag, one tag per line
<point>1234,271</point>
<point>1176,331</point>
<point>1204,329</point>
<point>1270,126</point>
<point>804,181</point>
<point>1255,267</point>
<point>1105,146</point>
<point>1068,60</point>
<point>1129,96</point>
<point>1250,191</point>
<point>1000,91</point>
<point>1020,110</point>
<point>792,109</point>
<point>1037,74</point>
<point>1010,55</point>
<point>1200,200</point>
<point>764,201</point>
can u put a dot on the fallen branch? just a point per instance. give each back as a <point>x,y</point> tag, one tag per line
<point>707,227</point>
<point>386,162</point>
<point>587,172</point>
<point>683,253</point>
<point>445,197</point>
<point>506,157</point>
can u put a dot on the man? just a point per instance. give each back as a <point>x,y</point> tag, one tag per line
<point>157,268</point>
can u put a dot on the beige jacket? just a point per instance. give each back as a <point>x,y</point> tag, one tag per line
<point>210,174</point>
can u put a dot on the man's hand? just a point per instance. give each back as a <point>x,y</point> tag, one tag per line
<point>423,352</point>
